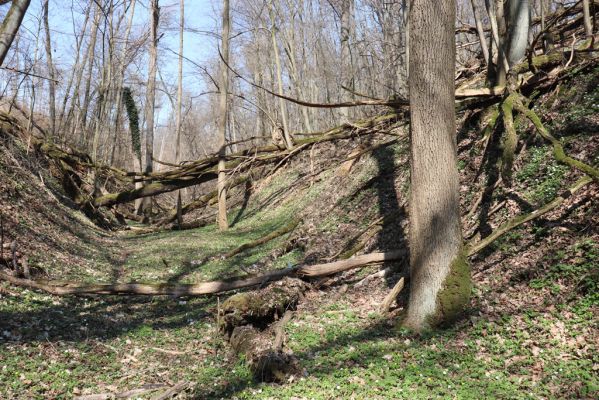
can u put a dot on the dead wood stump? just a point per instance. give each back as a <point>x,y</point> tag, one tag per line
<point>246,318</point>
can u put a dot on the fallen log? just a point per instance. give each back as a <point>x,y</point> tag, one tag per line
<point>198,289</point>
<point>205,170</point>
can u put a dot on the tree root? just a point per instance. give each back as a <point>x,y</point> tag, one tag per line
<point>558,149</point>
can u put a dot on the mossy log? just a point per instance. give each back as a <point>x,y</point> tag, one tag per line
<point>205,170</point>
<point>200,202</point>
<point>245,318</point>
<point>260,307</point>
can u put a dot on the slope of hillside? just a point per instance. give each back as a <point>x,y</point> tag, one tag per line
<point>531,331</point>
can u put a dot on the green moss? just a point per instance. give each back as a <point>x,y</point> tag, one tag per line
<point>454,296</point>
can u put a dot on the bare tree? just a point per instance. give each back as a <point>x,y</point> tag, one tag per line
<point>10,25</point>
<point>347,31</point>
<point>179,102</point>
<point>588,26</point>
<point>151,99</point>
<point>223,223</point>
<point>51,81</point>
<point>440,276</point>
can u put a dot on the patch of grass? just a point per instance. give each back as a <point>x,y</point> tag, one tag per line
<point>542,175</point>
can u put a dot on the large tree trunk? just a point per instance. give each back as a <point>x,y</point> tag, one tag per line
<point>151,99</point>
<point>11,24</point>
<point>223,223</point>
<point>440,277</point>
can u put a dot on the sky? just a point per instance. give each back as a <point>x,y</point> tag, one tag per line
<point>200,17</point>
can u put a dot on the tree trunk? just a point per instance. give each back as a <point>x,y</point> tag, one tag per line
<point>440,276</point>
<point>347,16</point>
<point>480,31</point>
<point>120,79</point>
<point>51,81</point>
<point>223,223</point>
<point>91,50</point>
<point>151,99</point>
<point>518,24</point>
<point>74,73</point>
<point>179,104</point>
<point>273,27</point>
<point>588,26</point>
<point>10,25</point>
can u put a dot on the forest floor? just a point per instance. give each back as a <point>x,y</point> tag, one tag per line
<point>531,331</point>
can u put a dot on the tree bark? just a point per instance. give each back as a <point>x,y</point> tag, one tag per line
<point>203,288</point>
<point>223,223</point>
<point>518,23</point>
<point>440,276</point>
<point>10,25</point>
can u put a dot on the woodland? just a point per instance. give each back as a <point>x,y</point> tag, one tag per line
<point>299,199</point>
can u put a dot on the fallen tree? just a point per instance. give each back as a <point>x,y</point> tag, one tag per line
<point>204,288</point>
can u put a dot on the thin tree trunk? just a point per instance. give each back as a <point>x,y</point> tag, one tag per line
<point>10,25</point>
<point>121,79</point>
<point>76,68</point>
<point>223,223</point>
<point>440,277</point>
<point>151,99</point>
<point>179,104</point>
<point>347,7</point>
<point>91,50</point>
<point>286,133</point>
<point>588,26</point>
<point>51,81</point>
<point>480,31</point>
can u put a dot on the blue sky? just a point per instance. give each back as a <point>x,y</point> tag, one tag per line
<point>200,15</point>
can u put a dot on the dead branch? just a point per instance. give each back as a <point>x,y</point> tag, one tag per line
<point>390,298</point>
<point>265,239</point>
<point>473,248</point>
